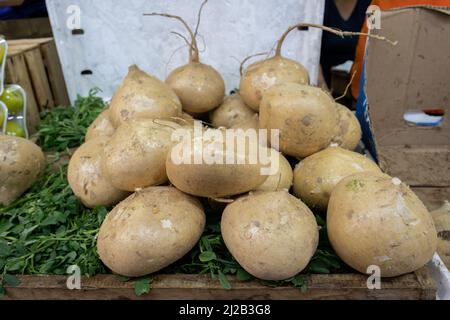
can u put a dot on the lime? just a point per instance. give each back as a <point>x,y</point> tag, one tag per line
<point>2,117</point>
<point>13,100</point>
<point>14,129</point>
<point>2,52</point>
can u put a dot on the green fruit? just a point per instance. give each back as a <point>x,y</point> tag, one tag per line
<point>2,53</point>
<point>14,129</point>
<point>13,100</point>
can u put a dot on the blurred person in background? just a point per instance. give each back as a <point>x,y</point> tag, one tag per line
<point>22,9</point>
<point>346,15</point>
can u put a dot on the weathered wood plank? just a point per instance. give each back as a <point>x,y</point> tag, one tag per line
<point>38,41</point>
<point>19,48</point>
<point>417,285</point>
<point>39,78</point>
<point>55,74</point>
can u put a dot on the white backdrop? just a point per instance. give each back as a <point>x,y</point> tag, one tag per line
<point>116,35</point>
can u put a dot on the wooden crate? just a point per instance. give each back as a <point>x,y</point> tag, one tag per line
<point>34,65</point>
<point>26,28</point>
<point>414,286</point>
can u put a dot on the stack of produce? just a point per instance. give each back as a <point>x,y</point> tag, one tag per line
<point>372,219</point>
<point>161,206</point>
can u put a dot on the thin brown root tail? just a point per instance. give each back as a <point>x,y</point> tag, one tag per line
<point>347,87</point>
<point>193,52</point>
<point>335,31</point>
<point>184,38</point>
<point>241,67</point>
<point>199,17</point>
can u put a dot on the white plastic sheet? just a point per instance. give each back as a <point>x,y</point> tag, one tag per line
<point>116,35</point>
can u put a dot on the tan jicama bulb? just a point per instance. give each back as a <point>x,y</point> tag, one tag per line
<point>262,75</point>
<point>199,86</point>
<point>143,96</point>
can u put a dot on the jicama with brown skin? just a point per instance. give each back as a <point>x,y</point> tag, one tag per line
<point>199,86</point>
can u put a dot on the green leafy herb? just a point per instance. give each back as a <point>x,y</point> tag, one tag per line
<point>243,275</point>
<point>142,286</point>
<point>224,281</point>
<point>65,127</point>
<point>207,256</point>
<point>48,229</point>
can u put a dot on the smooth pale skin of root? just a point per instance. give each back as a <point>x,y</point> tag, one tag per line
<point>136,154</point>
<point>199,86</point>
<point>143,96</point>
<point>272,235</point>
<point>213,180</point>
<point>86,178</point>
<point>250,123</point>
<point>101,127</point>
<point>149,230</point>
<point>262,75</point>
<point>316,176</point>
<point>441,219</point>
<point>21,163</point>
<point>283,178</point>
<point>231,112</point>
<point>349,130</point>
<point>373,219</point>
<point>306,117</point>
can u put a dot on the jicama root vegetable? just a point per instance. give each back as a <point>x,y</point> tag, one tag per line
<point>262,75</point>
<point>135,155</point>
<point>282,179</point>
<point>250,123</point>
<point>199,86</point>
<point>21,163</point>
<point>316,176</point>
<point>212,177</point>
<point>231,112</point>
<point>86,178</point>
<point>272,235</point>
<point>143,96</point>
<point>149,230</point>
<point>349,129</point>
<point>306,117</point>
<point>441,219</point>
<point>101,127</point>
<point>376,220</point>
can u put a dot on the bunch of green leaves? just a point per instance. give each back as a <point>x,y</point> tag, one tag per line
<point>47,230</point>
<point>65,127</point>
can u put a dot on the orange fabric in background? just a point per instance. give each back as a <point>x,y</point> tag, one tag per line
<point>384,5</point>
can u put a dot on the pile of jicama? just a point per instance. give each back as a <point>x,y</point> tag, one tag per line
<point>127,161</point>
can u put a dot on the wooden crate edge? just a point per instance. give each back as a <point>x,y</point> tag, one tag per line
<point>418,285</point>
